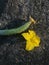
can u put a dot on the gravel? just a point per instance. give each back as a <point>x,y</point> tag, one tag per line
<point>12,48</point>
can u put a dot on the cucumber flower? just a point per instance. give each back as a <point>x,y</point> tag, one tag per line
<point>32,40</point>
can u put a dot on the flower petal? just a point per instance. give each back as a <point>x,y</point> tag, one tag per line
<point>36,40</point>
<point>29,45</point>
<point>26,36</point>
<point>32,33</point>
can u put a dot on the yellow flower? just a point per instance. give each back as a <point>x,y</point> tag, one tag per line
<point>32,40</point>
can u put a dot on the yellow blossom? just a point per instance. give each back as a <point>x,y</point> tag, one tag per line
<point>32,40</point>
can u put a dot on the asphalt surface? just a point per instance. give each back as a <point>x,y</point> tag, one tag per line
<point>14,13</point>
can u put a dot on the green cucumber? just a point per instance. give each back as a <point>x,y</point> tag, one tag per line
<point>19,29</point>
<point>15,30</point>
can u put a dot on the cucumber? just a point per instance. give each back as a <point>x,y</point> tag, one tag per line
<point>17,30</point>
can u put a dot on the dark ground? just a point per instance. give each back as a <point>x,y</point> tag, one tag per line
<point>12,48</point>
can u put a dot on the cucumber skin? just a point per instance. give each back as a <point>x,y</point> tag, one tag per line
<point>16,30</point>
